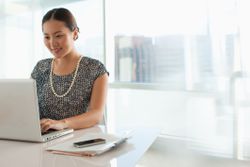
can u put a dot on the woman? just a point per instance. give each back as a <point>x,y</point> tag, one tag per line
<point>71,88</point>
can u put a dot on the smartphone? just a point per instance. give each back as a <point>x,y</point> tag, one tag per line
<point>87,143</point>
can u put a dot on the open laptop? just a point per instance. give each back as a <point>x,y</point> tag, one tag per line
<point>19,112</point>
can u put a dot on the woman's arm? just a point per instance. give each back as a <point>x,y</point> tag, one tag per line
<point>96,106</point>
<point>91,117</point>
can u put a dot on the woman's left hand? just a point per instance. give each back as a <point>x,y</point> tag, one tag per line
<point>47,124</point>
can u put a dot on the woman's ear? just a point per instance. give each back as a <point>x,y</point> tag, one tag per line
<point>75,34</point>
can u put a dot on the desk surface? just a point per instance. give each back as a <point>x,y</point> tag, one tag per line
<point>16,153</point>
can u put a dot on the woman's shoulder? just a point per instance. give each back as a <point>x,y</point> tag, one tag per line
<point>96,67</point>
<point>90,60</point>
<point>43,65</point>
<point>44,61</point>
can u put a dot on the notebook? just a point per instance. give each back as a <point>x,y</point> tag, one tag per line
<point>19,112</point>
<point>68,148</point>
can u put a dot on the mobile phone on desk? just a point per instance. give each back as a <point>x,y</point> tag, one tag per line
<point>86,143</point>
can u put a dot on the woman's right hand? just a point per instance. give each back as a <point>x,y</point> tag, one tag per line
<point>47,124</point>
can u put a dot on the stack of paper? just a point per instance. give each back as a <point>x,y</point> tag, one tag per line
<point>68,148</point>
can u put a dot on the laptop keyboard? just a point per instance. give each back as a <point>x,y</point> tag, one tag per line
<point>48,131</point>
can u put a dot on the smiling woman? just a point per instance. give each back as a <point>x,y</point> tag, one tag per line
<point>60,30</point>
<point>71,87</point>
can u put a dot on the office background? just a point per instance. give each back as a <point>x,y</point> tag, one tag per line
<point>176,65</point>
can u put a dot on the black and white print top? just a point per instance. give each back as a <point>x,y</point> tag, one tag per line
<point>77,100</point>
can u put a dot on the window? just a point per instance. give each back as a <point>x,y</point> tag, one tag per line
<point>171,64</point>
<point>185,47</point>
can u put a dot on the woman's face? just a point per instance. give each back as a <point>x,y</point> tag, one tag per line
<point>58,38</point>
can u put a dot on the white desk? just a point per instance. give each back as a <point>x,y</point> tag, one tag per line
<point>18,154</point>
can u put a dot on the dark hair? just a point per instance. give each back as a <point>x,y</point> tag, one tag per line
<point>61,14</point>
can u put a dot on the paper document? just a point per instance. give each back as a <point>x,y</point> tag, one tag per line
<point>68,148</point>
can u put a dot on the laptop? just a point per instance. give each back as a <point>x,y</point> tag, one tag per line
<point>19,112</point>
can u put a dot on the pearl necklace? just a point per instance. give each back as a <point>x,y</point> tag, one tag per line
<point>72,82</point>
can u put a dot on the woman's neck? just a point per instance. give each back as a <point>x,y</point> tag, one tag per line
<point>67,59</point>
<point>66,64</point>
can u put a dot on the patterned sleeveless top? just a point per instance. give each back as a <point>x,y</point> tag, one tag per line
<point>77,100</point>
